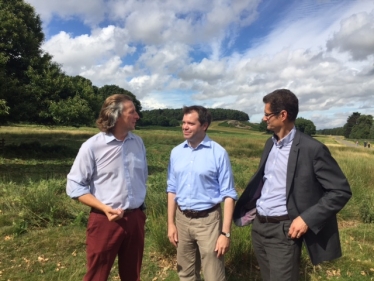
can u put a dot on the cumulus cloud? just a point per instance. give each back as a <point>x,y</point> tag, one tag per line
<point>356,36</point>
<point>170,58</point>
<point>91,12</point>
<point>206,70</point>
<point>172,53</point>
<point>79,53</point>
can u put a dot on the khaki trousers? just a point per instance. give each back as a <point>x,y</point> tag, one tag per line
<point>198,237</point>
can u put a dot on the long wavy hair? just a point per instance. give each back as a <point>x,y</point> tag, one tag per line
<point>110,111</point>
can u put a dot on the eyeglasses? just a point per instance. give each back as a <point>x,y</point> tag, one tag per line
<point>269,115</point>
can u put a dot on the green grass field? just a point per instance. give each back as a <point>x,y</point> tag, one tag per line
<point>42,231</point>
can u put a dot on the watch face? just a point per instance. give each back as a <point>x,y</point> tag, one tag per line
<point>228,235</point>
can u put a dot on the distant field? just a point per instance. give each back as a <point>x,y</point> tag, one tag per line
<point>42,231</point>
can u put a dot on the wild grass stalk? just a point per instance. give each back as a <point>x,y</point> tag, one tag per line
<point>42,231</point>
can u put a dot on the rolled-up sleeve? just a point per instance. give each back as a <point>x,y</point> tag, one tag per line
<point>79,178</point>
<point>226,178</point>
<point>145,163</point>
<point>171,187</point>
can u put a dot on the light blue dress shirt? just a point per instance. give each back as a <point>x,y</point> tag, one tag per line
<point>273,194</point>
<point>113,171</point>
<point>200,177</point>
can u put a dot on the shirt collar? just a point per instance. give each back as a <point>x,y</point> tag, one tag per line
<point>205,142</point>
<point>109,137</point>
<point>286,140</point>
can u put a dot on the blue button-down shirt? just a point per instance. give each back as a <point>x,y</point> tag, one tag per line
<point>200,177</point>
<point>113,171</point>
<point>273,195</point>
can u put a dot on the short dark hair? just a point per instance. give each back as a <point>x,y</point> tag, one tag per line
<point>202,112</point>
<point>283,99</point>
<point>110,111</point>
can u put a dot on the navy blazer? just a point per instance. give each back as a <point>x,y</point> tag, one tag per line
<point>316,190</point>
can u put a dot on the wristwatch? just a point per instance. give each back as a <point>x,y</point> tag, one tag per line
<point>226,234</point>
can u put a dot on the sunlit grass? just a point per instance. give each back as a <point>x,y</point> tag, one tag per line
<point>40,240</point>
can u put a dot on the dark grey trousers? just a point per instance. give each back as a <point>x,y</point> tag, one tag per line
<point>277,254</point>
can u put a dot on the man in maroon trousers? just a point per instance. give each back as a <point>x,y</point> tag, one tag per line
<point>109,175</point>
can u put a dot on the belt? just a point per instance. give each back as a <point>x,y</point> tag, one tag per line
<point>198,214</point>
<point>96,211</point>
<point>272,219</point>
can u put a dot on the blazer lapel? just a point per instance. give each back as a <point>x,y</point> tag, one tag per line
<point>268,146</point>
<point>292,162</point>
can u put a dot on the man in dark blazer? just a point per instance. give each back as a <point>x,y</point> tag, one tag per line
<point>293,197</point>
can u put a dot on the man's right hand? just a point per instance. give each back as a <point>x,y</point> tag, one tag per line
<point>91,201</point>
<point>173,234</point>
<point>113,214</point>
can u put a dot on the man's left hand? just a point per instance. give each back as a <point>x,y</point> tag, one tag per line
<point>222,245</point>
<point>298,228</point>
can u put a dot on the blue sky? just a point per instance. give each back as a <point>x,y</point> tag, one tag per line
<point>222,53</point>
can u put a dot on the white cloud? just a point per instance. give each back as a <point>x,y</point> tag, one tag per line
<point>168,59</point>
<point>356,36</point>
<point>170,53</point>
<point>208,71</point>
<point>79,53</point>
<point>91,12</point>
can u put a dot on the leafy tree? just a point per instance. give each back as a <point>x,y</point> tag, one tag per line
<point>174,123</point>
<point>306,126</point>
<point>109,90</point>
<point>371,134</point>
<point>162,121</point>
<point>362,128</point>
<point>47,86</point>
<point>3,61</point>
<point>217,114</point>
<point>263,127</point>
<point>84,88</point>
<point>33,88</point>
<point>339,131</point>
<point>72,112</point>
<point>20,39</point>
<point>351,122</point>
<point>4,109</point>
<point>144,122</point>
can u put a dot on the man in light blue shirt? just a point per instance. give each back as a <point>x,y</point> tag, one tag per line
<point>199,179</point>
<point>273,193</point>
<point>109,175</point>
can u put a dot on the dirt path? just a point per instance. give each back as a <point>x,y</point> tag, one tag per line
<point>341,140</point>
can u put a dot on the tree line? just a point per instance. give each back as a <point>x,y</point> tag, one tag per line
<point>33,88</point>
<point>172,117</point>
<point>358,126</point>
<point>304,125</point>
